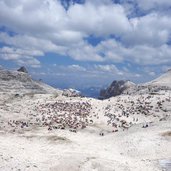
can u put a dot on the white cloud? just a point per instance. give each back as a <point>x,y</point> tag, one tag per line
<point>138,54</point>
<point>69,69</point>
<point>152,4</point>
<point>108,68</point>
<point>47,27</point>
<point>76,68</point>
<point>43,26</point>
<point>89,70</point>
<point>96,74</point>
<point>49,19</point>
<point>84,52</point>
<point>152,73</point>
<point>35,16</point>
<point>31,43</point>
<point>102,19</point>
<point>28,61</point>
<point>20,56</point>
<point>110,50</point>
<point>151,29</point>
<point>149,55</point>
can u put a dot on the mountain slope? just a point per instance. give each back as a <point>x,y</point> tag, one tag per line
<point>21,82</point>
<point>162,83</point>
<point>116,88</point>
<point>163,80</point>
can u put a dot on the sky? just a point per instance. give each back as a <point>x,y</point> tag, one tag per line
<point>82,43</point>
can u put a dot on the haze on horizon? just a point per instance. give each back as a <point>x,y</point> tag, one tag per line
<point>81,43</point>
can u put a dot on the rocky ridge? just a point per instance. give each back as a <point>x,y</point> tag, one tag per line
<point>21,82</point>
<point>116,88</point>
<point>156,86</point>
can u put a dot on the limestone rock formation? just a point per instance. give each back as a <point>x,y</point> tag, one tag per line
<point>22,69</point>
<point>71,93</point>
<point>158,85</point>
<point>115,89</point>
<point>21,82</point>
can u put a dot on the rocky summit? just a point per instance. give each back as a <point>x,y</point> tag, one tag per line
<point>158,85</point>
<point>21,82</point>
<point>116,88</point>
<point>22,69</point>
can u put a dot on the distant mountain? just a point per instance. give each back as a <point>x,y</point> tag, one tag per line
<point>116,88</point>
<point>162,83</point>
<point>21,82</point>
<point>71,93</point>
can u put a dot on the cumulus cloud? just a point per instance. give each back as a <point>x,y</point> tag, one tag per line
<point>109,69</point>
<point>34,16</point>
<point>145,6</point>
<point>151,29</point>
<point>47,27</point>
<point>84,52</point>
<point>31,43</point>
<point>111,50</point>
<point>102,19</point>
<point>49,16</point>
<point>153,4</point>
<point>42,26</point>
<point>76,68</point>
<point>139,54</point>
<point>22,57</point>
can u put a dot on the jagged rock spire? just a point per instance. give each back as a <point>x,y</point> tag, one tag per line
<point>22,69</point>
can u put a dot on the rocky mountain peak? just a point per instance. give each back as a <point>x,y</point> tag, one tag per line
<point>115,89</point>
<point>21,82</point>
<point>22,69</point>
<point>158,85</point>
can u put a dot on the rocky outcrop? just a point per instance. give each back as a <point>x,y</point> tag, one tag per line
<point>163,80</point>
<point>22,69</point>
<point>156,86</point>
<point>21,83</point>
<point>115,89</point>
<point>71,93</point>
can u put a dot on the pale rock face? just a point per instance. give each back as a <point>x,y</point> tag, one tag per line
<point>21,82</point>
<point>160,84</point>
<point>71,93</point>
<point>22,69</point>
<point>163,80</point>
<point>116,88</point>
<point>51,132</point>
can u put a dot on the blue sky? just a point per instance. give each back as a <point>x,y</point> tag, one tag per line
<point>85,43</point>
